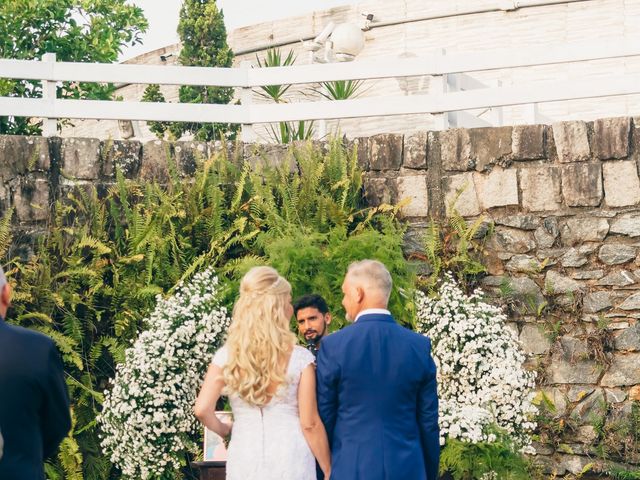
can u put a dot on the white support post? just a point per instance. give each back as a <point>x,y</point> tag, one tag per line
<point>247,133</point>
<point>497,113</point>
<point>440,85</point>
<point>49,125</point>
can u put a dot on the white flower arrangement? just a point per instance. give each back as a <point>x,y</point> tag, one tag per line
<point>481,379</point>
<point>147,420</point>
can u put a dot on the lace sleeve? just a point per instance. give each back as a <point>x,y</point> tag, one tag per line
<point>220,357</point>
<point>303,358</point>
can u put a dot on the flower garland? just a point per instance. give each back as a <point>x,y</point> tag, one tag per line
<point>481,380</point>
<point>147,420</point>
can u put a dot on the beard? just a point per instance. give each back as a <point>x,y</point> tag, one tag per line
<point>312,336</point>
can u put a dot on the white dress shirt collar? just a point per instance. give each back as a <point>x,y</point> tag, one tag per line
<point>372,311</point>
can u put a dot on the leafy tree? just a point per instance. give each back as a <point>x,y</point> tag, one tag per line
<point>76,31</point>
<point>153,94</point>
<point>204,44</point>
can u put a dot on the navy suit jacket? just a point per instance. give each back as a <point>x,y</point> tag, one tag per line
<point>34,403</point>
<point>378,400</point>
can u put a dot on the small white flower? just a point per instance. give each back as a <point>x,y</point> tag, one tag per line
<point>481,379</point>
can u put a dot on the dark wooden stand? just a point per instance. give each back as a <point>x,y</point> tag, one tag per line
<point>211,470</point>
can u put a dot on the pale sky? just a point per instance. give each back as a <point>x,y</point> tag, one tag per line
<point>163,17</point>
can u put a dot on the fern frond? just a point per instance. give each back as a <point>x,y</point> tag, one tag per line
<point>5,232</point>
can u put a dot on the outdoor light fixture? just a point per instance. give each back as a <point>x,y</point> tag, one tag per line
<point>348,41</point>
<point>341,43</point>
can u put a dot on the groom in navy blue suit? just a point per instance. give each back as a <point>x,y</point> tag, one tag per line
<point>376,386</point>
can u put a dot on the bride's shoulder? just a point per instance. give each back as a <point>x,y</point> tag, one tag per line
<point>303,356</point>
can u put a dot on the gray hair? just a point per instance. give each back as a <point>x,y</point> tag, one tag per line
<point>3,279</point>
<point>374,274</point>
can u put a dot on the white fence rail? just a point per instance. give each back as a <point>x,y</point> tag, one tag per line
<point>460,91</point>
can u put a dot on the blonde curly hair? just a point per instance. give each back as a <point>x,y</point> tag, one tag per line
<point>259,338</point>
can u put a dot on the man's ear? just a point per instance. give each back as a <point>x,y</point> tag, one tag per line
<point>360,294</point>
<point>327,318</point>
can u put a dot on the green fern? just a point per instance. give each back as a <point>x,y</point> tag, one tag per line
<point>472,461</point>
<point>5,232</point>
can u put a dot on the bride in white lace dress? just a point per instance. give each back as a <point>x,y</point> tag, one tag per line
<point>271,386</point>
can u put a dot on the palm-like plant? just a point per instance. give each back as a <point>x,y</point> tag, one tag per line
<point>341,89</point>
<point>283,132</point>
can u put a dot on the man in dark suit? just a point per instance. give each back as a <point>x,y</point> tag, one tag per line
<point>34,403</point>
<point>376,386</point>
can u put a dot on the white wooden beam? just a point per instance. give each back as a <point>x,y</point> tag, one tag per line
<point>106,110</point>
<point>359,70</point>
<point>357,108</point>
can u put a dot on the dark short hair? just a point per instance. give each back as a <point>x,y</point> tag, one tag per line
<point>312,300</point>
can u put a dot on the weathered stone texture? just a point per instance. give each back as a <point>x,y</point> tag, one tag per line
<point>528,142</point>
<point>489,146</point>
<point>80,158</point>
<point>626,224</point>
<point>156,156</point>
<point>20,155</point>
<point>621,183</point>
<point>475,148</point>
<point>455,148</point>
<point>572,141</point>
<point>615,395</point>
<point>570,365</point>
<point>123,155</point>
<point>379,190</point>
<point>596,301</point>
<point>547,233</point>
<point>631,303</point>
<point>31,200</point>
<point>254,154</point>
<point>523,263</point>
<point>573,258</point>
<point>385,152</point>
<point>460,193</point>
<point>525,292</point>
<point>623,371</point>
<point>622,278</point>
<point>534,340</point>
<point>413,188</point>
<point>362,148</point>
<point>498,188</point>
<point>556,283</point>
<point>579,230</point>
<point>582,184</point>
<point>628,339</point>
<point>512,240</point>
<point>415,150</point>
<point>611,137</point>
<point>612,254</point>
<point>189,154</point>
<point>540,188</point>
<point>588,274</point>
<point>523,222</point>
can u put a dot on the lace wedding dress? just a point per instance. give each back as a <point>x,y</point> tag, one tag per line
<point>267,443</point>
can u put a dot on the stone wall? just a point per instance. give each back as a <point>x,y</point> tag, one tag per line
<point>564,202</point>
<point>562,207</point>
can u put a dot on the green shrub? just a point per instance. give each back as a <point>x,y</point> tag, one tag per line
<point>96,272</point>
